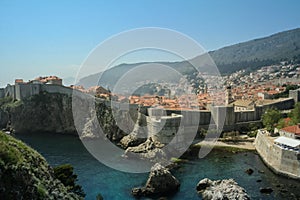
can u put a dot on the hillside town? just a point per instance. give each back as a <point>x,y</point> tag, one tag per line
<point>245,98</point>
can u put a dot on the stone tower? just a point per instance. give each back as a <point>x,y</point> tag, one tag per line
<point>228,95</point>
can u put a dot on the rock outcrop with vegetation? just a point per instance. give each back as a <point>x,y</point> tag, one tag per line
<point>221,190</point>
<point>40,113</point>
<point>25,174</point>
<point>53,113</point>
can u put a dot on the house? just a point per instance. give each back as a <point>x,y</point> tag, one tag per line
<point>291,131</point>
<point>243,105</point>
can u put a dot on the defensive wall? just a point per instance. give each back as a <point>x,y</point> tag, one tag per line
<point>281,161</point>
<point>2,92</point>
<point>218,117</point>
<point>21,91</point>
<point>164,123</point>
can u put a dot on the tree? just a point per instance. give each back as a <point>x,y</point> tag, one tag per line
<point>295,114</point>
<point>271,118</point>
<point>65,173</point>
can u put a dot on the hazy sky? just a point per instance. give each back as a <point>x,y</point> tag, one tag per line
<point>54,37</point>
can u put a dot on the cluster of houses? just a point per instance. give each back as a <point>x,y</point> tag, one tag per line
<point>289,138</point>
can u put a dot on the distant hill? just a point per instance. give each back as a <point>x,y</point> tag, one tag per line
<point>259,52</point>
<point>249,55</point>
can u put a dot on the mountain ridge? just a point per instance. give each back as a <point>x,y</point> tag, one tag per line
<point>249,55</point>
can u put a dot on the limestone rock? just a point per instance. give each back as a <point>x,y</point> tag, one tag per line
<point>150,150</point>
<point>87,132</point>
<point>221,190</point>
<point>160,182</point>
<point>138,135</point>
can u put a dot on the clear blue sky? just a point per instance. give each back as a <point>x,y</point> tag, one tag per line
<point>54,37</point>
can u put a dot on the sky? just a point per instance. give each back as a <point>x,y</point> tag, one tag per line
<point>40,38</point>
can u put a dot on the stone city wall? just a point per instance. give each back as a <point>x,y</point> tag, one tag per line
<point>281,161</point>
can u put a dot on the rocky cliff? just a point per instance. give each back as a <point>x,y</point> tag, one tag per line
<point>40,113</point>
<point>25,174</point>
<point>53,113</point>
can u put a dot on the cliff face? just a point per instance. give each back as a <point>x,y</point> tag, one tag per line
<point>53,113</point>
<point>25,174</point>
<point>42,113</point>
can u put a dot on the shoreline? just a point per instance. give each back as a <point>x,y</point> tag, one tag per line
<point>237,146</point>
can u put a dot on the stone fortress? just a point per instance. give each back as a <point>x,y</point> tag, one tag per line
<point>165,123</point>
<point>22,90</point>
<point>228,117</point>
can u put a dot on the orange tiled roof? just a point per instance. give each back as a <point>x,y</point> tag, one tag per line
<point>292,129</point>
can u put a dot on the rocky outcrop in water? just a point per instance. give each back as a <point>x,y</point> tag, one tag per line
<point>221,190</point>
<point>25,174</point>
<point>138,135</point>
<point>149,150</point>
<point>160,182</point>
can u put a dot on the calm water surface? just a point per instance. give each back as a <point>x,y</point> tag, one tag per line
<point>98,178</point>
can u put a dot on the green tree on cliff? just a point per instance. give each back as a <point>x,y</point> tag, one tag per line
<point>65,173</point>
<point>271,118</point>
<point>295,114</point>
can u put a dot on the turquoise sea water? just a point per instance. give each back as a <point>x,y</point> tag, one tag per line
<point>112,184</point>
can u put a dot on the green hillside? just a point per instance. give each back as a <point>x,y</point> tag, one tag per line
<point>247,55</point>
<point>259,52</point>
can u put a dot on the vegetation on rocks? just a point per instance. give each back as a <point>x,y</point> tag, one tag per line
<point>65,173</point>
<point>25,174</point>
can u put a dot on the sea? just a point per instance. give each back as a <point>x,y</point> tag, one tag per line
<point>96,177</point>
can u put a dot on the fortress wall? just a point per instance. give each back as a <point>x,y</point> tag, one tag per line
<point>164,129</point>
<point>245,116</point>
<point>281,161</point>
<point>290,162</point>
<point>10,91</point>
<point>223,116</point>
<point>57,89</point>
<point>190,117</point>
<point>27,90</point>
<point>295,94</point>
<point>2,93</point>
<point>284,104</point>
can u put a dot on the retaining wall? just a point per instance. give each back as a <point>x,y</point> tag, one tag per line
<point>284,162</point>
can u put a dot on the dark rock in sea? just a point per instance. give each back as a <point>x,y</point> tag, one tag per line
<point>221,190</point>
<point>258,181</point>
<point>266,190</point>
<point>283,190</point>
<point>160,182</point>
<point>203,184</point>
<point>249,171</point>
<point>99,197</point>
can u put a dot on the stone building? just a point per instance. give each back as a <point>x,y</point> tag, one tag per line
<point>295,94</point>
<point>291,131</point>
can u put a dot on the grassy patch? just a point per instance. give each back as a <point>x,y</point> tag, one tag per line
<point>178,160</point>
<point>9,154</point>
